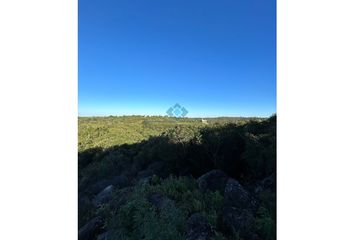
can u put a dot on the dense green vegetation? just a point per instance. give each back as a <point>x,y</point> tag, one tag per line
<point>140,178</point>
<point>112,131</point>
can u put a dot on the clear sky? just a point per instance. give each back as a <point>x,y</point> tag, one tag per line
<point>213,57</point>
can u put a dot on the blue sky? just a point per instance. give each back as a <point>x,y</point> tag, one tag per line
<point>213,57</point>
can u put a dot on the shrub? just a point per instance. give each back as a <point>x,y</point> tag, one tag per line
<point>264,224</point>
<point>138,218</point>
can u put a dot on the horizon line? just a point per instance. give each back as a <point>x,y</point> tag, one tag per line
<point>147,115</point>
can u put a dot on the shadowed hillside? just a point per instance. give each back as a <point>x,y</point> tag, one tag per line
<point>163,178</point>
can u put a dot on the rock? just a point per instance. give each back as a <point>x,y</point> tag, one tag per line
<point>98,186</point>
<point>236,196</point>
<point>213,180</point>
<point>234,220</point>
<point>117,181</point>
<point>91,229</point>
<point>198,228</point>
<point>104,196</point>
<point>103,236</point>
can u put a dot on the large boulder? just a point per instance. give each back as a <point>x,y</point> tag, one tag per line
<point>120,181</point>
<point>233,221</point>
<point>198,228</point>
<point>104,196</point>
<point>236,196</point>
<point>213,180</point>
<point>91,229</point>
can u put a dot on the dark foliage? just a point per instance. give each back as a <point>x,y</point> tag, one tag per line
<point>244,151</point>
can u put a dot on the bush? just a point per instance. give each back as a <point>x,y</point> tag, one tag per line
<point>138,218</point>
<point>264,224</point>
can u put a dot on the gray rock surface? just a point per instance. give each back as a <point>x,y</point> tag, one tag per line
<point>120,181</point>
<point>213,180</point>
<point>104,196</point>
<point>198,228</point>
<point>91,229</point>
<point>235,195</point>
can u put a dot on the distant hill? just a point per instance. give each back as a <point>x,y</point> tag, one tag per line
<point>116,130</point>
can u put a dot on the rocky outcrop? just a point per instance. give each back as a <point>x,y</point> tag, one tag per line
<point>213,180</point>
<point>198,228</point>
<point>104,196</point>
<point>236,196</point>
<point>120,181</point>
<point>91,229</point>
